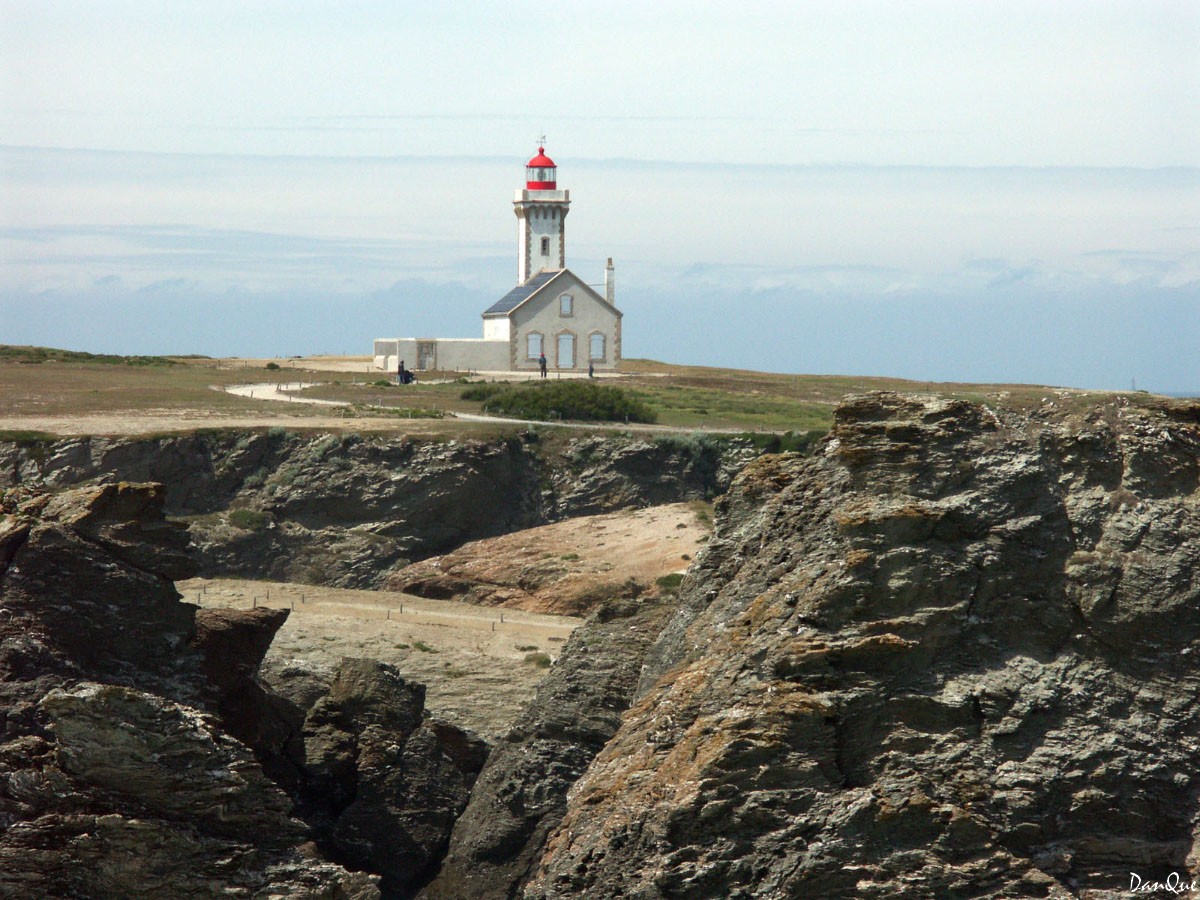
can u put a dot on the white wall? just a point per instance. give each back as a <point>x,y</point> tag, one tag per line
<point>588,315</point>
<point>497,329</point>
<point>453,354</point>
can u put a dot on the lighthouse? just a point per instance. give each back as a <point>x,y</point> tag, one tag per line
<point>541,210</point>
<point>552,317</point>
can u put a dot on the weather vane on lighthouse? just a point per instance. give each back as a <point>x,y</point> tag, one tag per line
<point>541,141</point>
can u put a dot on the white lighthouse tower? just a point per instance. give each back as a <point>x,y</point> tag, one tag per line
<point>541,210</point>
<point>551,319</point>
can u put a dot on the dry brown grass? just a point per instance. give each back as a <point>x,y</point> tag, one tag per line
<point>73,397</point>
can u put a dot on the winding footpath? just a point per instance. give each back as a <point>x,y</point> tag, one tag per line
<point>283,393</point>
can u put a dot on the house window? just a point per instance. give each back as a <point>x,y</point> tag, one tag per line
<point>566,305</point>
<point>596,346</point>
<point>545,246</point>
<point>533,345</point>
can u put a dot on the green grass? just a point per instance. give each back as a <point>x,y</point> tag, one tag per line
<point>25,437</point>
<point>671,582</point>
<point>541,660</point>
<point>547,401</point>
<point>249,519</point>
<point>399,412</point>
<point>423,647</point>
<point>12,353</point>
<point>702,407</point>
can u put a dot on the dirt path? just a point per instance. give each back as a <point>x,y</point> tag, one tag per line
<point>272,390</point>
<point>286,393</point>
<point>477,663</point>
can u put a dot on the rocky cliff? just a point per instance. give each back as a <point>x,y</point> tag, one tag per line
<point>117,778</point>
<point>521,794</point>
<point>346,510</point>
<point>141,755</point>
<point>951,655</point>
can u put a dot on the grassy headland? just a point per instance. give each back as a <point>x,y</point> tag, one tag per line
<point>39,386</point>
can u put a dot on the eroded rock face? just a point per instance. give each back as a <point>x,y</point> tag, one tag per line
<point>951,655</point>
<point>346,510</point>
<point>117,777</point>
<point>385,784</point>
<point>521,794</point>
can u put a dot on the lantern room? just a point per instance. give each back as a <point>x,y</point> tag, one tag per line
<point>540,173</point>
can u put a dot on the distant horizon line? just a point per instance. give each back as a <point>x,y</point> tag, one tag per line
<point>626,161</point>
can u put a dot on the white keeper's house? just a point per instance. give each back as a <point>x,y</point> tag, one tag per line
<point>551,310</point>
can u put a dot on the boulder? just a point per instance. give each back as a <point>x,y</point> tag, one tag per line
<point>384,783</point>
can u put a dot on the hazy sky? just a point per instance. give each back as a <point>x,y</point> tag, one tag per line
<point>941,190</point>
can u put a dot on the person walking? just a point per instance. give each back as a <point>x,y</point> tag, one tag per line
<point>542,364</point>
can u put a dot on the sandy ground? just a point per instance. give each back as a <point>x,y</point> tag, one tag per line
<point>475,660</point>
<point>566,567</point>
<point>472,659</point>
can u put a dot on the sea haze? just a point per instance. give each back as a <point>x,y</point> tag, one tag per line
<point>1081,277</point>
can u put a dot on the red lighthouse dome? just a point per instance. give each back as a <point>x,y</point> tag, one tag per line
<point>540,173</point>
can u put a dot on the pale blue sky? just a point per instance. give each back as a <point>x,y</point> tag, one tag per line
<point>939,190</point>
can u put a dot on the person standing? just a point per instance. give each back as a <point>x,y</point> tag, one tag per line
<point>542,364</point>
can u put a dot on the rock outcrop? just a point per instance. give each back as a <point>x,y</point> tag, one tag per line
<point>346,510</point>
<point>951,655</point>
<point>117,776</point>
<point>566,568</point>
<point>385,783</point>
<point>521,795</point>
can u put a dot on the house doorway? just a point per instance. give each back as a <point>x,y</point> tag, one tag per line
<point>566,351</point>
<point>426,355</point>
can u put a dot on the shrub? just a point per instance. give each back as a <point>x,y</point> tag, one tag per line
<point>546,401</point>
<point>482,392</point>
<point>541,660</point>
<point>669,582</point>
<point>788,442</point>
<point>248,519</point>
<point>273,366</point>
<point>423,647</point>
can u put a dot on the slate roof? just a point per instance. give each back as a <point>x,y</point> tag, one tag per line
<point>521,293</point>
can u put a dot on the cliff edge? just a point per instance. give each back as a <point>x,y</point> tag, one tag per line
<point>953,654</point>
